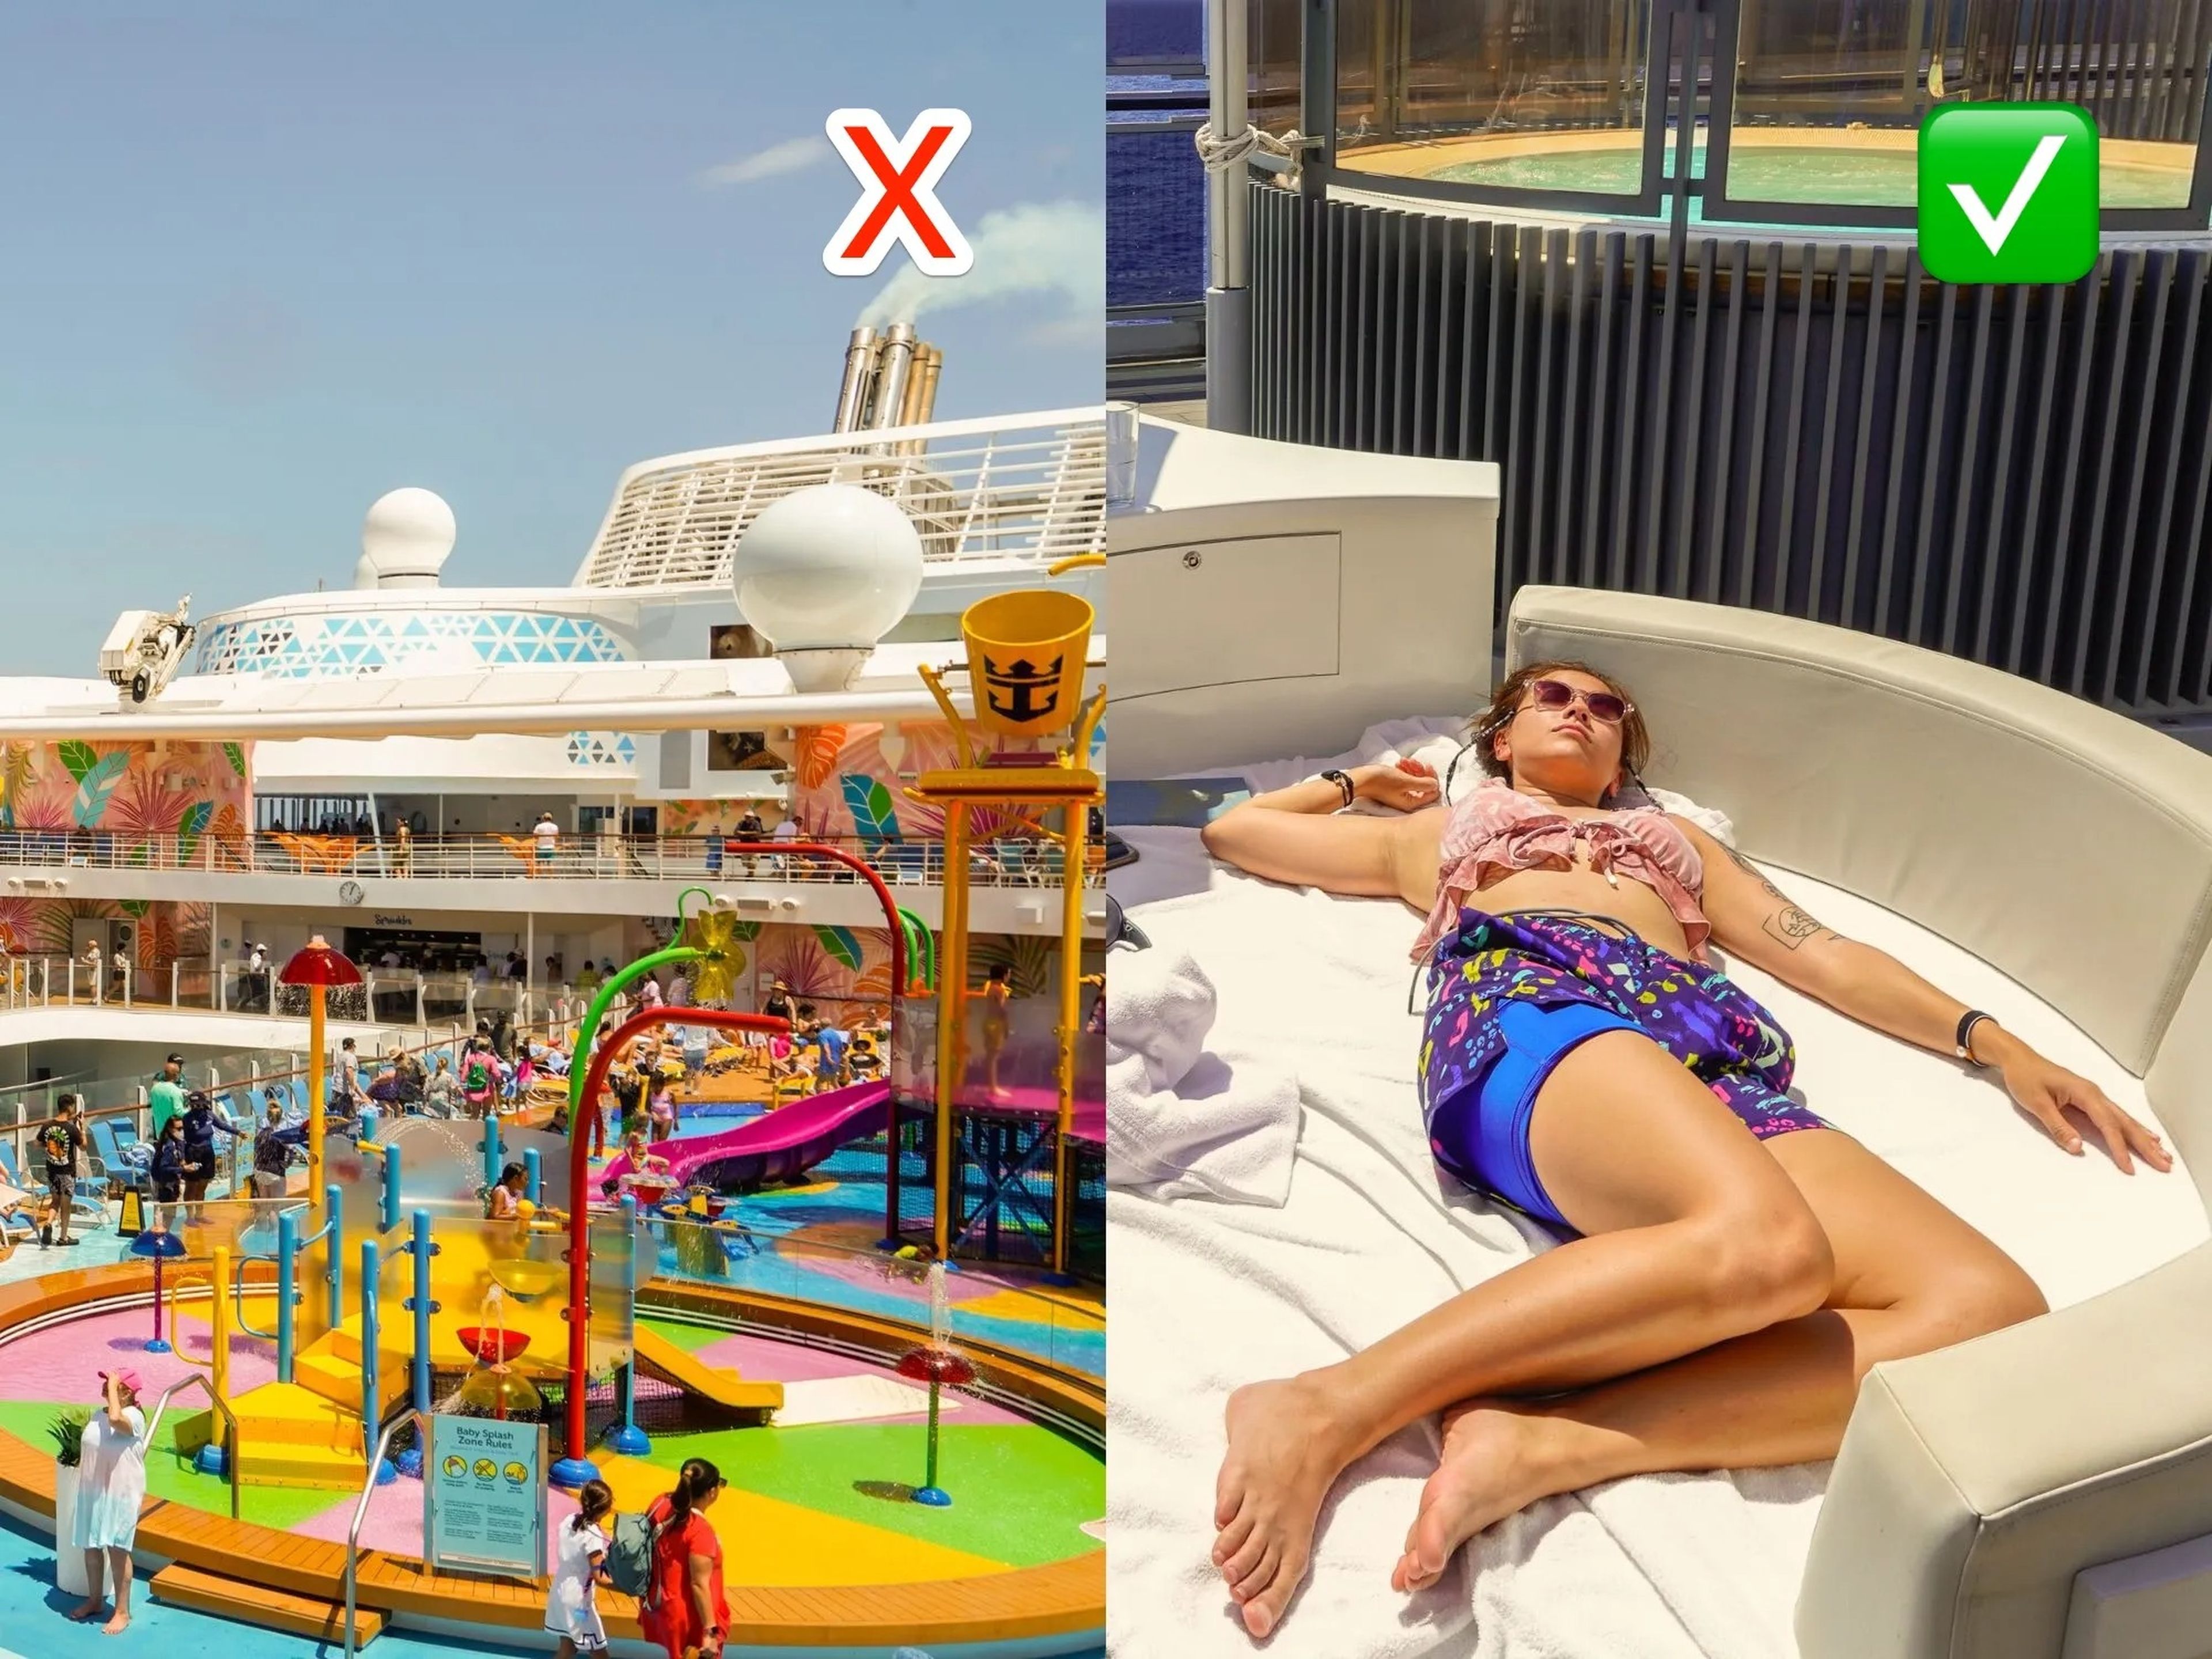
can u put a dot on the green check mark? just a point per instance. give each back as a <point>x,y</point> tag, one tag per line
<point>2038,164</point>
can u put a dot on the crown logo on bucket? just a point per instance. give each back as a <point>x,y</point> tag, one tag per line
<point>1025,652</point>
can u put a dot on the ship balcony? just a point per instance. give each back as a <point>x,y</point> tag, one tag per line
<point>1016,885</point>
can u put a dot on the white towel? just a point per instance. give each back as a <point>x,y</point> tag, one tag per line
<point>1163,1007</point>
<point>1180,1122</point>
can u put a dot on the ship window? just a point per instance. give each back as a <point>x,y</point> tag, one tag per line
<point>733,640</point>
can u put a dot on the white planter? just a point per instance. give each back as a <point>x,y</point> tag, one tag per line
<point>68,1560</point>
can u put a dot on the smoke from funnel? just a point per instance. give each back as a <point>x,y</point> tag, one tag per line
<point>1038,247</point>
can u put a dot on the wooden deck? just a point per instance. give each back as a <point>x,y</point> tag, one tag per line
<point>1061,1598</point>
<point>255,1604</point>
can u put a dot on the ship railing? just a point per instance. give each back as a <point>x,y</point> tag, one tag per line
<point>1029,488</point>
<point>27,856</point>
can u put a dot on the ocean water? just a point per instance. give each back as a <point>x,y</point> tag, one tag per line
<point>1155,187</point>
<point>1155,219</point>
<point>1154,28</point>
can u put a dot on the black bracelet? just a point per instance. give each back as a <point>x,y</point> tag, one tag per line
<point>1342,780</point>
<point>1965,1032</point>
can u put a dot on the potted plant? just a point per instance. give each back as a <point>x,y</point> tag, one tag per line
<point>67,1431</point>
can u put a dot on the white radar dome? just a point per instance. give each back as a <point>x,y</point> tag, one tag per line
<point>824,574</point>
<point>405,540</point>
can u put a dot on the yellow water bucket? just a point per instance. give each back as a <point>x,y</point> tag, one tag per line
<point>1025,652</point>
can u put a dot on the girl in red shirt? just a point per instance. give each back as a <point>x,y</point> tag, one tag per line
<point>690,1618</point>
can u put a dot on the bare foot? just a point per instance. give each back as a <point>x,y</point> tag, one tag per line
<point>116,1626</point>
<point>1285,1450</point>
<point>85,1609</point>
<point>1496,1462</point>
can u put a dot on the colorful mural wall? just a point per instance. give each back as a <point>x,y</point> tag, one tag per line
<point>848,783</point>
<point>194,799</point>
<point>166,930</point>
<point>132,791</point>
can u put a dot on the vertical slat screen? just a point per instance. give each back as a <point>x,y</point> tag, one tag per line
<point>2020,476</point>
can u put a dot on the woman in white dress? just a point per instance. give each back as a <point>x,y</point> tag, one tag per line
<point>579,1554</point>
<point>110,1485</point>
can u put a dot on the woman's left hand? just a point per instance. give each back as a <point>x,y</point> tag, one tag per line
<point>1406,786</point>
<point>2045,1090</point>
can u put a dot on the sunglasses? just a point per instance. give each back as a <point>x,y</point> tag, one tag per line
<point>1604,705</point>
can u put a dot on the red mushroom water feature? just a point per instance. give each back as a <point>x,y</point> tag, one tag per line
<point>492,1385</point>
<point>938,1364</point>
<point>318,968</point>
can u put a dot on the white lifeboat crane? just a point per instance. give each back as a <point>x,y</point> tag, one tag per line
<point>145,649</point>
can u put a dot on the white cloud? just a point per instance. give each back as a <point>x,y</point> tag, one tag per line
<point>791,155</point>
<point>1037,247</point>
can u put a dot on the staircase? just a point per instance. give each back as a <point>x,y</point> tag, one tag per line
<point>309,1433</point>
<point>270,1609</point>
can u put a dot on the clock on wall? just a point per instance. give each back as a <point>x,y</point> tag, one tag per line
<point>350,893</point>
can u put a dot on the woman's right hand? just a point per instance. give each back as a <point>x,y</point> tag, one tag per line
<point>1408,785</point>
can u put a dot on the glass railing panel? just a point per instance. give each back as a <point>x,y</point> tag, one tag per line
<point>1494,92</point>
<point>1067,1328</point>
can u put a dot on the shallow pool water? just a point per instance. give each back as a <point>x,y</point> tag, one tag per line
<point>1784,172</point>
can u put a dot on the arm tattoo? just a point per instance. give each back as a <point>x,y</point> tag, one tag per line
<point>1792,927</point>
<point>1789,926</point>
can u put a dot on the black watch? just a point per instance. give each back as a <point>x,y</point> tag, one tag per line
<point>1342,780</point>
<point>1972,1018</point>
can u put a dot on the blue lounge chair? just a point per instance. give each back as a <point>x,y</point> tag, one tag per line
<point>91,1190</point>
<point>109,1137</point>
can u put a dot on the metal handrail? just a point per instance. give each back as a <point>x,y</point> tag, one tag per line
<point>222,1409</point>
<point>238,1295</point>
<point>360,1510</point>
<point>574,857</point>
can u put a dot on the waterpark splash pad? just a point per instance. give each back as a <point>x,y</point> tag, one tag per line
<point>404,1296</point>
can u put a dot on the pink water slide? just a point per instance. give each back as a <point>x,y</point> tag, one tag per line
<point>774,1146</point>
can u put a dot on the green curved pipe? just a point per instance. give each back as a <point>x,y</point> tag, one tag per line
<point>608,991</point>
<point>920,949</point>
<point>589,1028</point>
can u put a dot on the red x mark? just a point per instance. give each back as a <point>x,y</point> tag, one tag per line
<point>898,191</point>
<point>898,176</point>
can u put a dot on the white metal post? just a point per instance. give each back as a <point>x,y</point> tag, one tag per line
<point>1228,300</point>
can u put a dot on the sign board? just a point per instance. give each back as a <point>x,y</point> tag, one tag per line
<point>484,1497</point>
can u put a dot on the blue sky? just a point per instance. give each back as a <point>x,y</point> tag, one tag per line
<point>260,264</point>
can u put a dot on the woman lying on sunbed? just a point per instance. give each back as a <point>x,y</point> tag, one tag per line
<point>1733,1264</point>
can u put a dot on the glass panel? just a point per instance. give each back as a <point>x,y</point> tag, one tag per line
<point>1066,1328</point>
<point>1272,49</point>
<point>1155,210</point>
<point>1498,93</point>
<point>1154,33</point>
<point>1156,97</point>
<point>1830,93</point>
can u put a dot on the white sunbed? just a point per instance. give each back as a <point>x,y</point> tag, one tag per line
<point>2030,1494</point>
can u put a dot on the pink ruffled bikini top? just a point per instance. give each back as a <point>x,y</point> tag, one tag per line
<point>1497,829</point>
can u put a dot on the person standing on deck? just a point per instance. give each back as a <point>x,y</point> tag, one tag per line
<point>167,1096</point>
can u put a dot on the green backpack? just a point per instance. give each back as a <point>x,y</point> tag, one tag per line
<point>630,1557</point>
